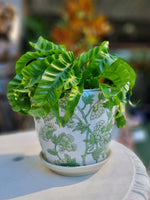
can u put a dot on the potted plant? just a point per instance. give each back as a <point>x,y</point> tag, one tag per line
<point>74,101</point>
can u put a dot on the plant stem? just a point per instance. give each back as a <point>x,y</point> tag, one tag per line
<point>57,153</point>
<point>86,148</point>
<point>83,115</point>
<point>91,108</point>
<point>84,107</point>
<point>78,118</point>
<point>87,134</point>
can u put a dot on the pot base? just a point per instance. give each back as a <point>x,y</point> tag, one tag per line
<point>74,171</point>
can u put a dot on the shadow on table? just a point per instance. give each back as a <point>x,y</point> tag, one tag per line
<point>21,175</point>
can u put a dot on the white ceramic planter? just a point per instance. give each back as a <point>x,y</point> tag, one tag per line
<point>84,139</point>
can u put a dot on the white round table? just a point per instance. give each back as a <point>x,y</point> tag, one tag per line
<point>24,177</point>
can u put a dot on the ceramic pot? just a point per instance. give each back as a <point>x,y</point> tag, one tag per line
<point>84,140</point>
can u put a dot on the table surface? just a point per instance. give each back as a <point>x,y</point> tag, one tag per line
<point>24,177</point>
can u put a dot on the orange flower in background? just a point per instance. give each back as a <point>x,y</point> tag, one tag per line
<point>79,29</point>
<point>101,25</point>
<point>65,36</point>
<point>78,8</point>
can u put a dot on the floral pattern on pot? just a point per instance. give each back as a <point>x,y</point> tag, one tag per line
<point>84,139</point>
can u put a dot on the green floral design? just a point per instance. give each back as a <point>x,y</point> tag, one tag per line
<point>48,117</point>
<point>99,130</point>
<point>81,126</point>
<point>110,121</point>
<point>63,143</point>
<point>46,133</point>
<point>88,99</point>
<point>67,161</point>
<point>97,111</point>
<point>70,123</point>
<point>63,101</point>
<point>96,138</point>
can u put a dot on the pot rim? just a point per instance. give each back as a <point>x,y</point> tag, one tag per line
<point>91,90</point>
<point>88,90</point>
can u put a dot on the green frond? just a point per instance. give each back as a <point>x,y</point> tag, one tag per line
<point>45,45</point>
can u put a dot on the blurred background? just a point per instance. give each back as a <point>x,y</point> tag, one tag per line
<point>80,25</point>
